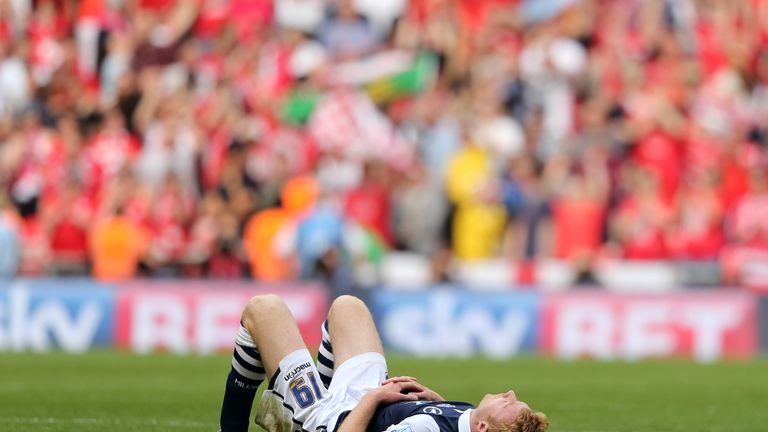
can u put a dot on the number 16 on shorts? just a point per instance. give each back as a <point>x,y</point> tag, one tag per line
<point>306,391</point>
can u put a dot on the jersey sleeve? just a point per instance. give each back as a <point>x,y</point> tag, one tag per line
<point>416,423</point>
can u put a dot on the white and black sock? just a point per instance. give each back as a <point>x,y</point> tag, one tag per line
<point>244,378</point>
<point>325,357</point>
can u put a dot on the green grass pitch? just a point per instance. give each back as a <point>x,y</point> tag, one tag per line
<point>109,391</point>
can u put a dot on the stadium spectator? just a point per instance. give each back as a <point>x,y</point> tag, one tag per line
<point>259,239</point>
<point>117,247</point>
<point>69,232</point>
<point>526,205</point>
<point>746,259</point>
<point>421,213</point>
<point>299,195</point>
<point>107,152</point>
<point>347,35</point>
<point>227,261</point>
<point>170,141</point>
<point>36,251</point>
<point>479,219</point>
<point>15,91</point>
<point>203,237</point>
<point>437,131</point>
<point>322,231</point>
<point>697,233</point>
<point>368,204</point>
<point>170,215</point>
<point>642,219</point>
<point>579,211</point>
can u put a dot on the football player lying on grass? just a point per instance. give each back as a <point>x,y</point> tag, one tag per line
<point>349,389</point>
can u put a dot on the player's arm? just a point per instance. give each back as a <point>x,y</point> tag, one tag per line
<point>361,415</point>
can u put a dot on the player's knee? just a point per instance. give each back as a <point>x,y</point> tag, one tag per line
<point>346,304</point>
<point>262,304</point>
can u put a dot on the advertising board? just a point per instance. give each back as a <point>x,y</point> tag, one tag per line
<point>453,322</point>
<point>181,317</point>
<point>706,326</point>
<point>43,315</point>
<point>202,317</point>
<point>184,317</point>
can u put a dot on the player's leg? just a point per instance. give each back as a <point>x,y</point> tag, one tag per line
<point>358,364</point>
<point>351,317</point>
<point>273,329</point>
<point>267,334</point>
<point>351,330</point>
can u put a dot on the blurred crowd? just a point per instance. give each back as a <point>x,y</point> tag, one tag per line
<point>309,138</point>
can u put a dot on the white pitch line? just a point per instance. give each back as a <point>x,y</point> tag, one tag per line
<point>136,421</point>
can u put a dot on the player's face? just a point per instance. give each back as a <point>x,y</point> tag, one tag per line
<point>502,408</point>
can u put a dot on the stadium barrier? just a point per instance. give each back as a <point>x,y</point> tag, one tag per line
<point>202,317</point>
<point>408,269</point>
<point>176,316</point>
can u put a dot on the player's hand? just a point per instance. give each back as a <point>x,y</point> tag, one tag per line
<point>399,379</point>
<point>397,392</point>
<point>428,395</point>
<point>424,393</point>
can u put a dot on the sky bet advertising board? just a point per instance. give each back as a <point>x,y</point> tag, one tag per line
<point>74,316</point>
<point>203,317</point>
<point>198,318</point>
<point>449,322</point>
<point>44,315</point>
<point>706,326</point>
